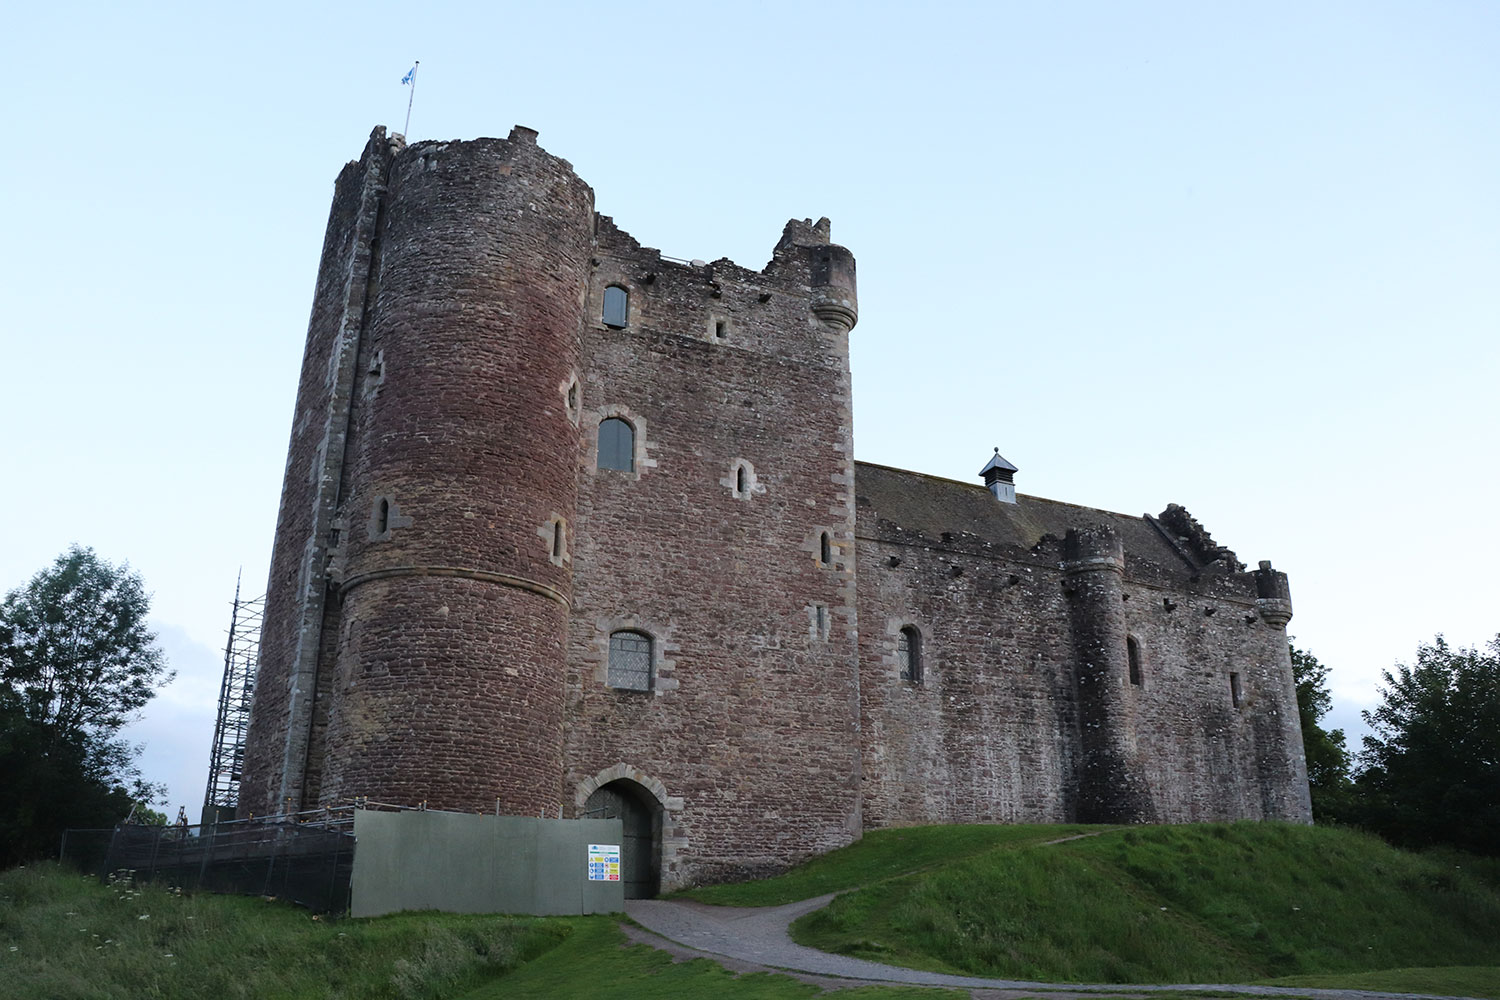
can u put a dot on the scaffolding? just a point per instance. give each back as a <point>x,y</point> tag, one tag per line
<point>226,760</point>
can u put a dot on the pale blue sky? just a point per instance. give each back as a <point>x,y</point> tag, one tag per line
<point>1244,259</point>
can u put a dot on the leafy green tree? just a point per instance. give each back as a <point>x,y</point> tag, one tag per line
<point>1328,761</point>
<point>77,662</point>
<point>1431,766</point>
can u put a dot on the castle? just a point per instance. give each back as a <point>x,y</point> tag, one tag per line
<point>571,528</point>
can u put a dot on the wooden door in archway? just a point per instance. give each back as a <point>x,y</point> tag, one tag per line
<point>640,815</point>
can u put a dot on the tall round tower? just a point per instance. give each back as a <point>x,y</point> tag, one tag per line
<point>1111,788</point>
<point>459,487</point>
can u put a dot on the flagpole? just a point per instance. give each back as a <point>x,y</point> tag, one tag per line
<point>411,97</point>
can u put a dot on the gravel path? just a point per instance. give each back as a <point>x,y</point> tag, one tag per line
<point>758,936</point>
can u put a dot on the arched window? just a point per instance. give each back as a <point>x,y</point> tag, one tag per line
<point>630,661</point>
<point>383,516</point>
<point>825,550</point>
<point>909,655</point>
<point>740,480</point>
<point>558,540</point>
<point>616,306</point>
<point>616,445</point>
<point>1133,649</point>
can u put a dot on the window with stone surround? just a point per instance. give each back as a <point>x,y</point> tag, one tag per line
<point>825,549</point>
<point>909,655</point>
<point>1236,692</point>
<point>630,661</point>
<point>616,445</point>
<point>1133,651</point>
<point>616,306</point>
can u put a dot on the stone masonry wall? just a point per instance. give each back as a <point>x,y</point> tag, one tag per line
<point>751,730</point>
<point>285,690</point>
<point>997,730</point>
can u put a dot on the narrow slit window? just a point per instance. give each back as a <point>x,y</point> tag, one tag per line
<point>630,661</point>
<point>616,445</point>
<point>1133,649</point>
<point>741,480</point>
<point>383,516</point>
<point>720,327</point>
<point>616,306</point>
<point>825,550</point>
<point>1236,692</point>
<point>557,539</point>
<point>909,655</point>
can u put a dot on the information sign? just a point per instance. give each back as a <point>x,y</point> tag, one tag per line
<point>604,862</point>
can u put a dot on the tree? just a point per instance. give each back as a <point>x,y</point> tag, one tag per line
<point>1328,760</point>
<point>77,662</point>
<point>1431,766</point>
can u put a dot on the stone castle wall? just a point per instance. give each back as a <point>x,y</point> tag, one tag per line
<point>450,561</point>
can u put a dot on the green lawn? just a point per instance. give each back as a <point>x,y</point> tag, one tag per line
<point>1211,903</point>
<point>64,937</point>
<point>882,854</point>
<point>1452,980</point>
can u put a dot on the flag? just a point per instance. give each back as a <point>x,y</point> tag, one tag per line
<point>410,76</point>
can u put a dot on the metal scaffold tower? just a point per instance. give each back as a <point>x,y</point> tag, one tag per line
<point>241,654</point>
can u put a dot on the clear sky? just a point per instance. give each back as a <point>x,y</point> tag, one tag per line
<point>1241,257</point>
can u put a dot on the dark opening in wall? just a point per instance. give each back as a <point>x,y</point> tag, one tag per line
<point>616,306</point>
<point>557,539</point>
<point>616,445</point>
<point>383,516</point>
<point>740,480</point>
<point>909,655</point>
<point>825,550</point>
<point>1133,649</point>
<point>720,329</point>
<point>1236,693</point>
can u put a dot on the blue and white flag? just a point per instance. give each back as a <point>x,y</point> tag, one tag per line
<point>410,76</point>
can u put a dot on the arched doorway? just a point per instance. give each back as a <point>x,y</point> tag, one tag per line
<point>640,815</point>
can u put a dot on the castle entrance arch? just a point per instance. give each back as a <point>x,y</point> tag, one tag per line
<point>640,814</point>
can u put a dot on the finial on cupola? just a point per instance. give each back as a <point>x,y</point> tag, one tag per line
<point>999,475</point>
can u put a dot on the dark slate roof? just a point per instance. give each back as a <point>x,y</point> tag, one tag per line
<point>912,502</point>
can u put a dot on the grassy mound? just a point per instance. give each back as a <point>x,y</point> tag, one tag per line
<point>62,935</point>
<point>1214,903</point>
<point>881,854</point>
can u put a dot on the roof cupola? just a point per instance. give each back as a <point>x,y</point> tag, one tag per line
<point>1000,477</point>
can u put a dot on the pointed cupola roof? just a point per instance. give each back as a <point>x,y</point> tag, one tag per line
<point>999,478</point>
<point>999,465</point>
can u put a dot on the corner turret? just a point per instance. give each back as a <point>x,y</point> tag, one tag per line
<point>834,299</point>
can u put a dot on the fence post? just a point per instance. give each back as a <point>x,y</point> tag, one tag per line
<point>206,838</point>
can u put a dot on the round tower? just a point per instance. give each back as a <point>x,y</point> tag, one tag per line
<point>459,485</point>
<point>1110,786</point>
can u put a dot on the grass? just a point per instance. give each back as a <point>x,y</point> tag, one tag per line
<point>880,855</point>
<point>63,935</point>
<point>66,937</point>
<point>1452,980</point>
<point>1214,903</point>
